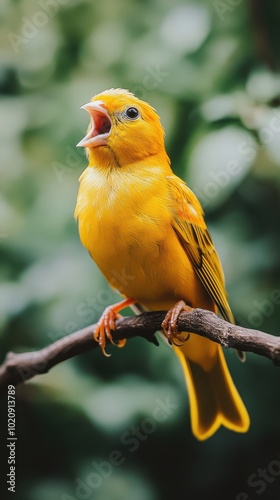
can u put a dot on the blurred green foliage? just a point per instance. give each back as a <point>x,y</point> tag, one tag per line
<point>210,69</point>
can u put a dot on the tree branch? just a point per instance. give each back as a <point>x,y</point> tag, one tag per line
<point>18,368</point>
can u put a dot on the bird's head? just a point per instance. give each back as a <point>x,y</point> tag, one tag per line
<point>123,130</point>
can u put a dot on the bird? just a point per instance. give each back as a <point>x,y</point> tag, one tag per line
<point>145,230</point>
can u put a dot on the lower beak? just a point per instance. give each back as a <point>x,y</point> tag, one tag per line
<point>100,125</point>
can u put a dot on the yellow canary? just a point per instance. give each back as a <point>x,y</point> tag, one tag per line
<point>145,230</point>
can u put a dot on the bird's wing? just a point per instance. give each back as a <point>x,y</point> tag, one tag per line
<point>190,227</point>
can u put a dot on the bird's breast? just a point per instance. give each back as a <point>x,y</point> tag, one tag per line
<point>124,222</point>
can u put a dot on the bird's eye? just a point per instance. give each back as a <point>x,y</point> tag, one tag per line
<point>132,113</point>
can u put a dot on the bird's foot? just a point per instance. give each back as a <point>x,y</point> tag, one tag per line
<point>169,324</point>
<point>106,325</point>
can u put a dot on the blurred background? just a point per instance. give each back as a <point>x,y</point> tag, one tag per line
<point>88,429</point>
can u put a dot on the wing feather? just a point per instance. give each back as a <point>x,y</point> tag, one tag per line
<point>192,232</point>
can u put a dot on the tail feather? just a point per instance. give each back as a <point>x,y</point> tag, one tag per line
<point>214,399</point>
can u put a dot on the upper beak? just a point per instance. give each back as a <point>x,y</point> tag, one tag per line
<point>100,125</point>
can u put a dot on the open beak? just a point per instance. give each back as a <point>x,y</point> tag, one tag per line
<point>100,125</point>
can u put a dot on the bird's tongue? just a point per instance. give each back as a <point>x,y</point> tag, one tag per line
<point>102,124</point>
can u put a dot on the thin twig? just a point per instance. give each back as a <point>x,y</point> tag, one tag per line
<point>18,368</point>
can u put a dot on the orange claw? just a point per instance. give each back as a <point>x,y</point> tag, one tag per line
<point>106,325</point>
<point>169,324</point>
